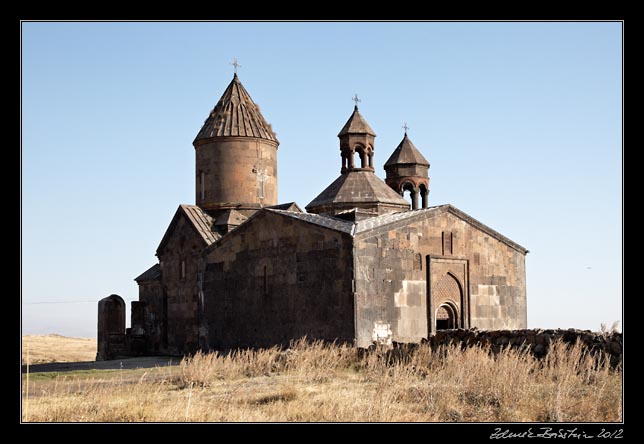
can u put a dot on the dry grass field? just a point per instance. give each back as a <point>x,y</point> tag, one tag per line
<point>317,382</point>
<point>56,348</point>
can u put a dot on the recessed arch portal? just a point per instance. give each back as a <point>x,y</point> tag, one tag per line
<point>447,298</point>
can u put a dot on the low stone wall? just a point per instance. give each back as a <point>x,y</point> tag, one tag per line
<point>537,340</point>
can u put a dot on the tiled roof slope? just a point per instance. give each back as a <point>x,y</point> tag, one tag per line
<point>151,274</point>
<point>323,221</point>
<point>201,221</point>
<point>358,187</point>
<point>373,223</point>
<point>406,153</point>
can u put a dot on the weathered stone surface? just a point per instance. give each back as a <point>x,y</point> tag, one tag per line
<point>438,280</point>
<point>275,279</point>
<point>111,328</point>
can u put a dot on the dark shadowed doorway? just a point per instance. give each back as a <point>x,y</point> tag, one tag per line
<point>445,317</point>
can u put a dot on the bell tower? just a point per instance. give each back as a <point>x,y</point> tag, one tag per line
<point>236,156</point>
<point>408,170</point>
<point>357,187</point>
<point>356,137</point>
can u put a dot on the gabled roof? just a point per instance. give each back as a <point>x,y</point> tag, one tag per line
<point>377,222</point>
<point>199,220</point>
<point>356,125</point>
<point>358,187</point>
<point>150,275</point>
<point>329,222</point>
<point>230,217</point>
<point>406,153</point>
<point>236,115</point>
<point>372,224</point>
<point>289,206</point>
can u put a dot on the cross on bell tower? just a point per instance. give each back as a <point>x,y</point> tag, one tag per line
<point>356,100</point>
<point>235,64</point>
<point>356,140</point>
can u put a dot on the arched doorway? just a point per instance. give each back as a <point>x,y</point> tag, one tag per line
<point>446,317</point>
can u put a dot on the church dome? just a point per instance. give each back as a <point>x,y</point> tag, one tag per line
<point>236,115</point>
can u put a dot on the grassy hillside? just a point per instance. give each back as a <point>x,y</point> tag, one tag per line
<point>56,348</point>
<point>316,382</point>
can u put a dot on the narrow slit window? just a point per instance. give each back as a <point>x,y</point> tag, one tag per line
<point>182,269</point>
<point>265,281</point>
<point>203,185</point>
<point>447,243</point>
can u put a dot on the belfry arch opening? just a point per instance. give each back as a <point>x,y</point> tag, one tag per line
<point>360,157</point>
<point>423,191</point>
<point>354,160</point>
<point>364,162</point>
<point>410,194</point>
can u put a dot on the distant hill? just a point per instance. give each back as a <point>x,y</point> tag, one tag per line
<point>57,348</point>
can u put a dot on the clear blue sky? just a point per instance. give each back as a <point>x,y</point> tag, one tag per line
<point>521,122</point>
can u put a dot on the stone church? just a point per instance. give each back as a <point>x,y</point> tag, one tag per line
<point>361,265</point>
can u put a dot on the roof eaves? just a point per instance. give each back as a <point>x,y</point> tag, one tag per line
<point>481,226</point>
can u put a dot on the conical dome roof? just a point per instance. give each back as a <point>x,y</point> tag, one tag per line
<point>236,115</point>
<point>356,125</point>
<point>406,153</point>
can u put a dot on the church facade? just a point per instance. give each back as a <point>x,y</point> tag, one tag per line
<point>361,265</point>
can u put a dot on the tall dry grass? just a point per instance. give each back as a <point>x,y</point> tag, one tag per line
<point>314,381</point>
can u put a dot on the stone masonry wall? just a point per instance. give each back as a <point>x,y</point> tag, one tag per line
<point>391,279</point>
<point>230,168</point>
<point>154,320</point>
<point>537,340</point>
<point>182,293</point>
<point>274,279</point>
